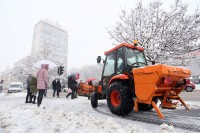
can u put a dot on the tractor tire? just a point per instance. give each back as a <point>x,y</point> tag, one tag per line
<point>146,107</point>
<point>119,99</point>
<point>94,99</point>
<point>188,89</point>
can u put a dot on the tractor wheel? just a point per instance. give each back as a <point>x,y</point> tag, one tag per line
<point>189,89</point>
<point>119,99</point>
<point>146,107</point>
<point>94,99</point>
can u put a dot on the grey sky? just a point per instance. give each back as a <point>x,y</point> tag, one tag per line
<point>85,20</point>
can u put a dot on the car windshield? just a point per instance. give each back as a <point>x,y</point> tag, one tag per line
<point>135,57</point>
<point>14,85</point>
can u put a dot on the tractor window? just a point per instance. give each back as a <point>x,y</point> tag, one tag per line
<point>109,67</point>
<point>135,57</point>
<point>120,61</point>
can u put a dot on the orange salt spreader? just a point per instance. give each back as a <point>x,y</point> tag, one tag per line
<point>161,82</point>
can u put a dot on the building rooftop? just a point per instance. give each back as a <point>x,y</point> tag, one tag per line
<point>52,23</point>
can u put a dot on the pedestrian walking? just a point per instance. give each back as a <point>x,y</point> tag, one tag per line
<point>56,86</point>
<point>45,92</point>
<point>1,88</point>
<point>29,94</point>
<point>72,84</point>
<point>33,88</point>
<point>42,82</point>
<point>76,85</point>
<point>69,92</point>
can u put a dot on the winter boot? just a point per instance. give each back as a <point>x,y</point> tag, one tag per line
<point>31,96</point>
<point>26,100</point>
<point>34,97</point>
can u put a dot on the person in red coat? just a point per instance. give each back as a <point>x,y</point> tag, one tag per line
<point>42,82</point>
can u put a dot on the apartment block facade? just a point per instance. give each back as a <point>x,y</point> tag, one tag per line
<point>50,41</point>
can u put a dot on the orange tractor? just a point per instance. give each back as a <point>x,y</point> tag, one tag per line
<point>128,82</point>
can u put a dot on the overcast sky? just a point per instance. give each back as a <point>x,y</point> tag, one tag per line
<point>86,22</point>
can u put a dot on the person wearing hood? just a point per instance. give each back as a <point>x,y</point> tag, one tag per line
<point>72,84</point>
<point>56,86</point>
<point>33,87</point>
<point>42,82</point>
<point>29,94</point>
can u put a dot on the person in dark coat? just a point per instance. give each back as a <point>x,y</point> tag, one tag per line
<point>56,86</point>
<point>72,84</point>
<point>90,83</point>
<point>29,94</point>
<point>33,88</point>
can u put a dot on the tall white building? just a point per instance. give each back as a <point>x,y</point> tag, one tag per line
<point>50,41</point>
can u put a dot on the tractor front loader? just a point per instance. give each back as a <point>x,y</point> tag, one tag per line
<point>128,83</point>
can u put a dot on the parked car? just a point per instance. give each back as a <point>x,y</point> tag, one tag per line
<point>190,86</point>
<point>15,87</point>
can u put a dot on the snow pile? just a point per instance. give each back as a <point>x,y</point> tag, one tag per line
<point>34,119</point>
<point>193,105</point>
<point>167,129</point>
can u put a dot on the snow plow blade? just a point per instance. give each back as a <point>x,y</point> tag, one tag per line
<point>161,82</point>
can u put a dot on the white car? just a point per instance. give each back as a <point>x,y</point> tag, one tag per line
<point>15,87</point>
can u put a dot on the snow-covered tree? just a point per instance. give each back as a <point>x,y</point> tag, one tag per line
<point>161,33</point>
<point>91,71</point>
<point>28,63</point>
<point>46,52</point>
<point>23,68</point>
<point>194,66</point>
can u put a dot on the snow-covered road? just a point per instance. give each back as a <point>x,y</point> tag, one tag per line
<point>62,115</point>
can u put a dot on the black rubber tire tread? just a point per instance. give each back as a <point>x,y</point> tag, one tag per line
<point>127,102</point>
<point>188,90</point>
<point>94,99</point>
<point>146,107</point>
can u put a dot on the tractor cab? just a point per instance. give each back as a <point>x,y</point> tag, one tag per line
<point>121,60</point>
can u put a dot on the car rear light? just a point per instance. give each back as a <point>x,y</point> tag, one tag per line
<point>188,81</point>
<point>167,80</point>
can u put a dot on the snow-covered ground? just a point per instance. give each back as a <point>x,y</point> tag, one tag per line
<point>61,115</point>
<point>197,87</point>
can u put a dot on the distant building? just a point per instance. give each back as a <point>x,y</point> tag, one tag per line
<point>50,41</point>
<point>7,78</point>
